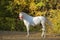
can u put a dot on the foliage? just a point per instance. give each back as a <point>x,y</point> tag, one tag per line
<point>9,11</point>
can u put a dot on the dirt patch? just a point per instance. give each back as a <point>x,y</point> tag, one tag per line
<point>8,35</point>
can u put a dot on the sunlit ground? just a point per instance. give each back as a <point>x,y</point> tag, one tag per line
<point>8,35</point>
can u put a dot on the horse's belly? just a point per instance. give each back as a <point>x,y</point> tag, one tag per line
<point>36,22</point>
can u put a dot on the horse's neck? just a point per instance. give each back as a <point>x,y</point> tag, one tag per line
<point>27,17</point>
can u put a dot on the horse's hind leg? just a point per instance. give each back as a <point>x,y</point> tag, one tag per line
<point>43,29</point>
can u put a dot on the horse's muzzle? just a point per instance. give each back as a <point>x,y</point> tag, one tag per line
<point>20,17</point>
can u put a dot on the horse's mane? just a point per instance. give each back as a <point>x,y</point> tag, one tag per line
<point>25,14</point>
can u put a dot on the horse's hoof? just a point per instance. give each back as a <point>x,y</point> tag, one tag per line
<point>43,36</point>
<point>27,36</point>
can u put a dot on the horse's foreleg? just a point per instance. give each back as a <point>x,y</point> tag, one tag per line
<point>27,30</point>
<point>43,30</point>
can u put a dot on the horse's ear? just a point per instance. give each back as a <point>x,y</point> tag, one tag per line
<point>20,12</point>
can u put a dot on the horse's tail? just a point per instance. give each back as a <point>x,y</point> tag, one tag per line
<point>49,22</point>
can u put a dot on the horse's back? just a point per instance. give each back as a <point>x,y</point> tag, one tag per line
<point>39,19</point>
<point>42,18</point>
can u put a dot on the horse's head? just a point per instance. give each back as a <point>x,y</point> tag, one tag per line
<point>21,15</point>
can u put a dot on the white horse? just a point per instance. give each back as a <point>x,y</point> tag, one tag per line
<point>33,21</point>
